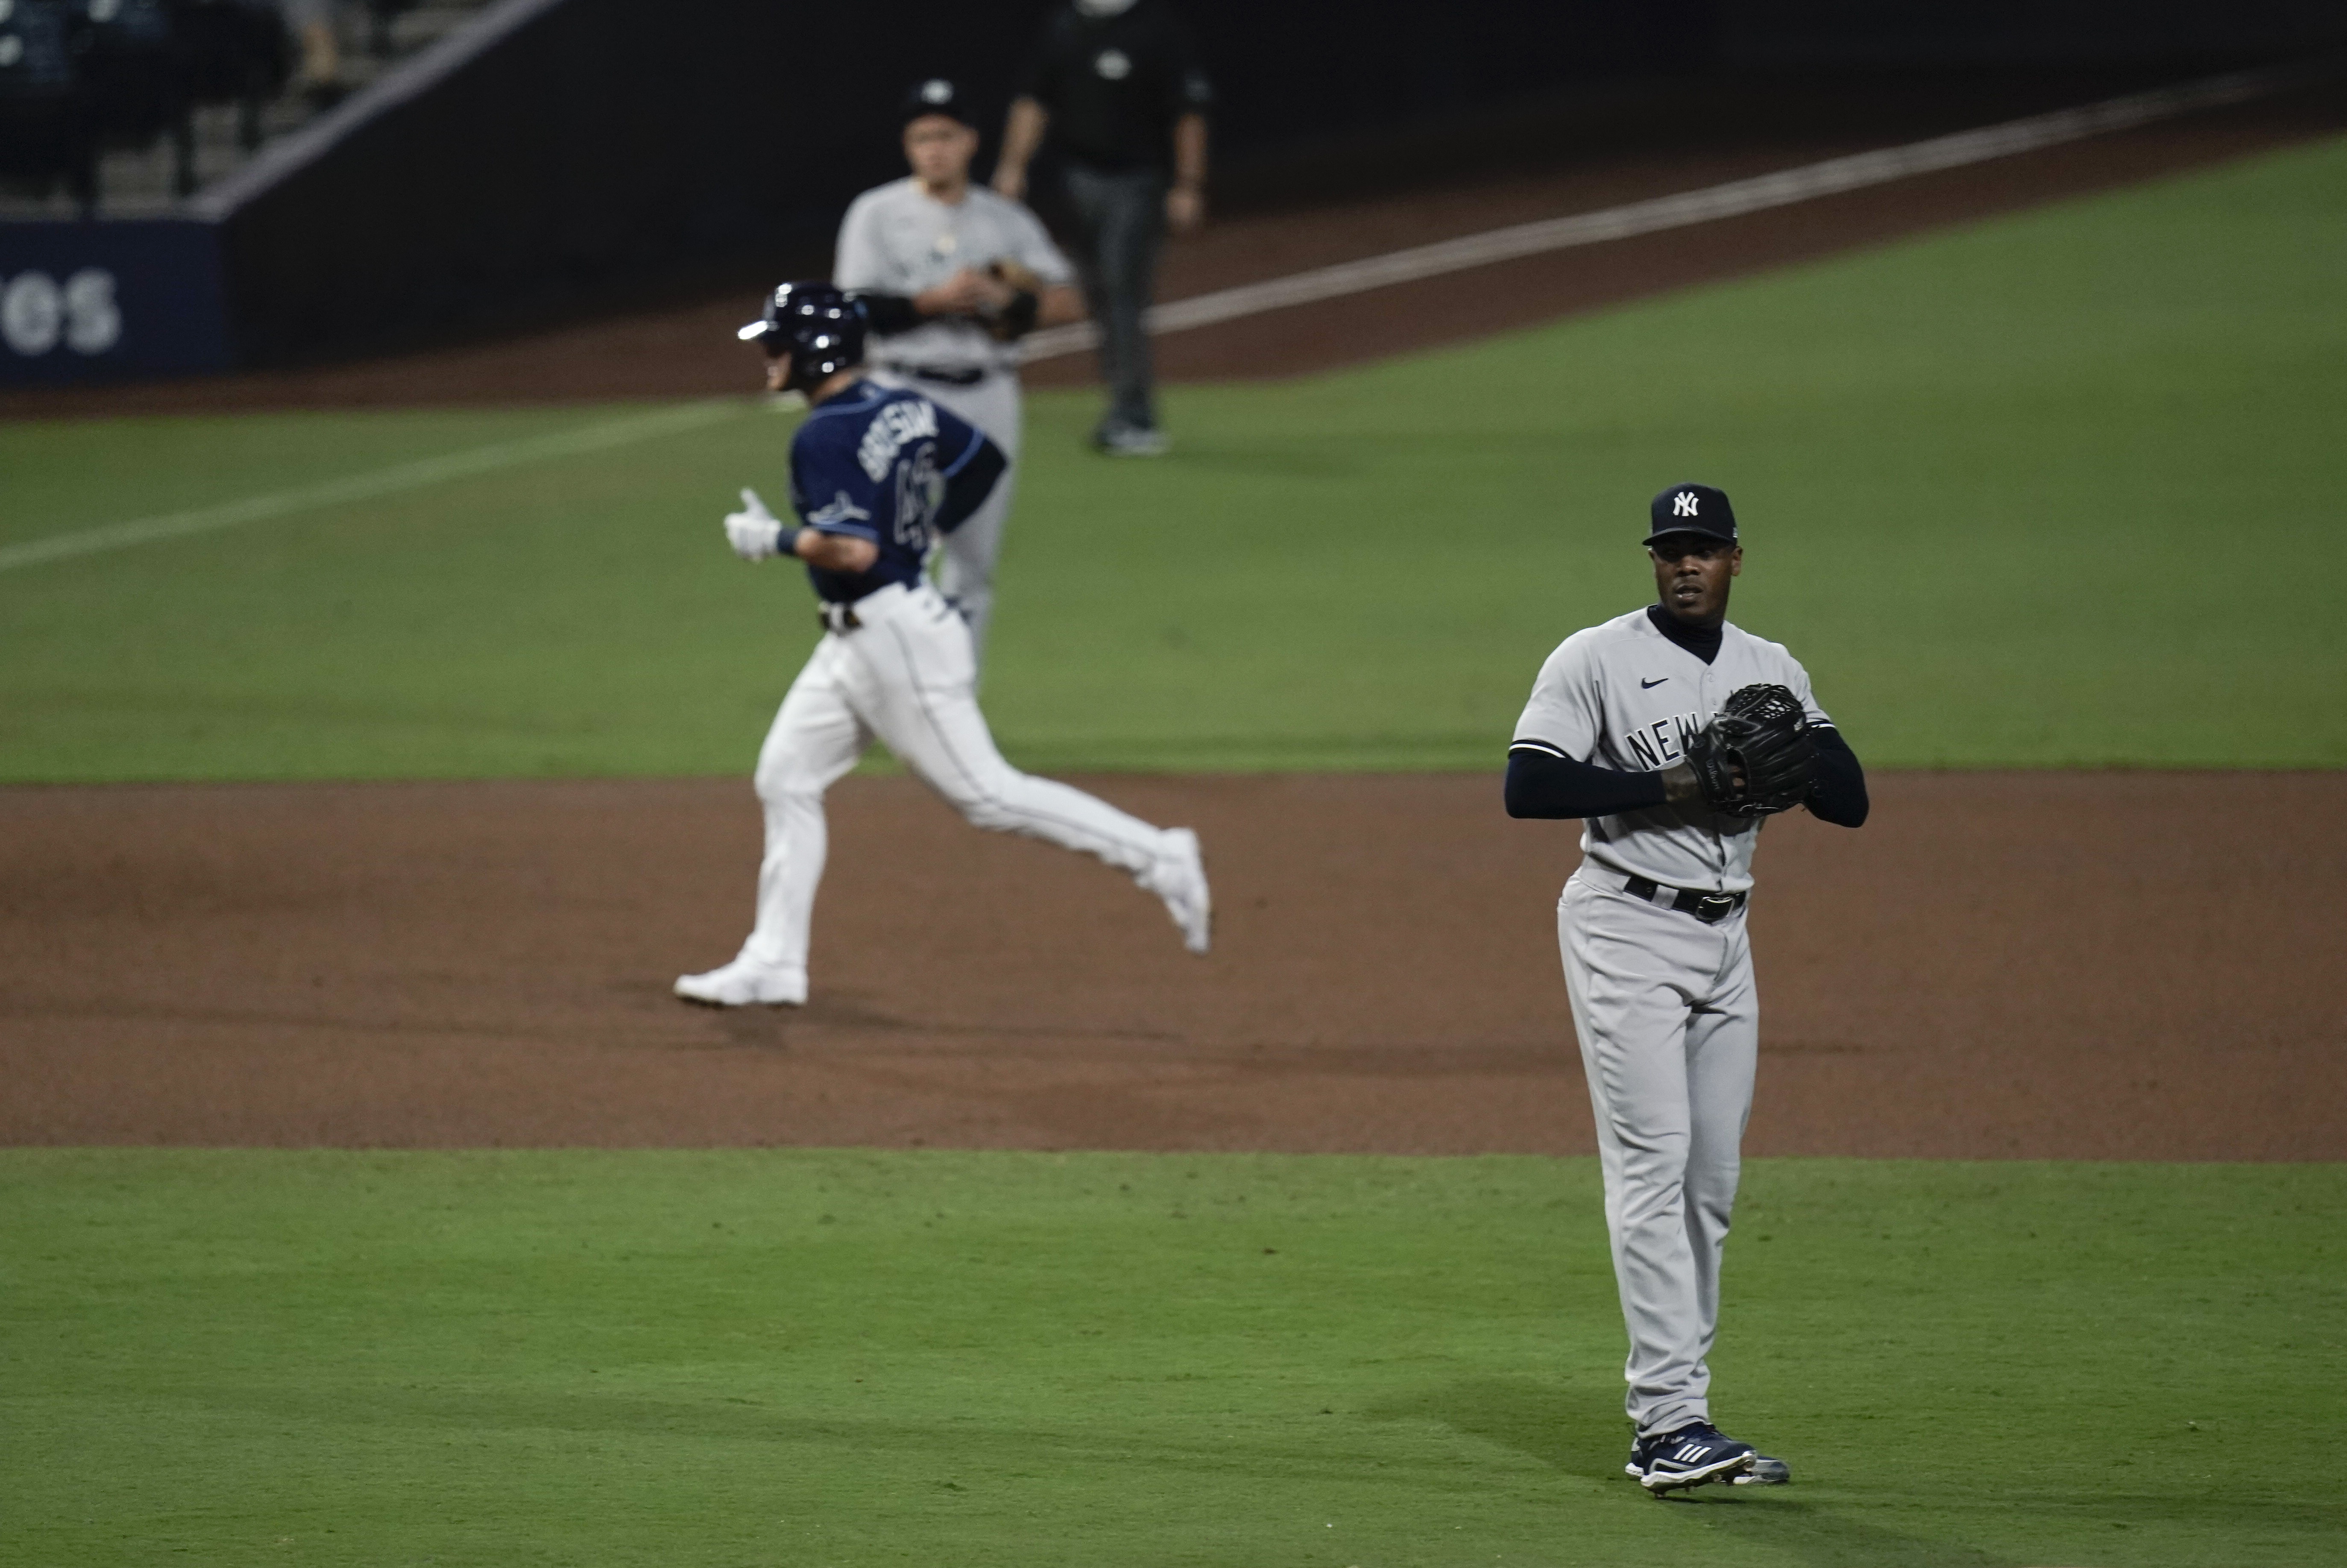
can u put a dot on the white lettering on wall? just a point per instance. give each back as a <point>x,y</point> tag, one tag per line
<point>93,321</point>
<point>37,314</point>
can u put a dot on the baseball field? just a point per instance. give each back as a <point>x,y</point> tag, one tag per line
<point>370,773</point>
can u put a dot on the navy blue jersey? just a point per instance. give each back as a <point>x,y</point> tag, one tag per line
<point>882,464</point>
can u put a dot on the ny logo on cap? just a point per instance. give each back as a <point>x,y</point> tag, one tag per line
<point>1683,505</point>
<point>936,91</point>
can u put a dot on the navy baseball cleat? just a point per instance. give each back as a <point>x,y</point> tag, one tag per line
<point>1691,1456</point>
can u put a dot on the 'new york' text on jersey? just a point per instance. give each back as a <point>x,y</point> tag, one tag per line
<point>1622,696</point>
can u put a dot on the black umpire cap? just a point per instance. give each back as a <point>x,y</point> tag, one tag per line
<point>1693,509</point>
<point>935,95</point>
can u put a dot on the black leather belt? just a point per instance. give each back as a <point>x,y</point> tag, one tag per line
<point>944,374</point>
<point>839,618</point>
<point>1710,909</point>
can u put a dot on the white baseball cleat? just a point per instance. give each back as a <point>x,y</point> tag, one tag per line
<point>744,982</point>
<point>1180,878</point>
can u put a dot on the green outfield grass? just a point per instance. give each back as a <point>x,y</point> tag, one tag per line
<point>820,1358</point>
<point>2056,489</point>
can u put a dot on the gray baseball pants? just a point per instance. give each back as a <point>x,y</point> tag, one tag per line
<point>1120,229</point>
<point>1669,1022</point>
<point>966,556</point>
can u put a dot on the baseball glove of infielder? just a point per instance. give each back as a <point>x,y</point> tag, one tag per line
<point>1017,319</point>
<point>1756,756</point>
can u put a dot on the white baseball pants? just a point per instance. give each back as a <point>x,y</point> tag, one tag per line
<point>905,676</point>
<point>1669,1022</point>
<point>966,556</point>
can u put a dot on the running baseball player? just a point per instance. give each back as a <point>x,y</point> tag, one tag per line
<point>952,276</point>
<point>1674,736</point>
<point>876,473</point>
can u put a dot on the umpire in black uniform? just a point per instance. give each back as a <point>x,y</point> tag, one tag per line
<point>1120,81</point>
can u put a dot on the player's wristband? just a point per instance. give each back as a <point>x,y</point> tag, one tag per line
<point>787,543</point>
<point>887,313</point>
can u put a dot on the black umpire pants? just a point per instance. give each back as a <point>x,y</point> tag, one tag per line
<point>1120,230</point>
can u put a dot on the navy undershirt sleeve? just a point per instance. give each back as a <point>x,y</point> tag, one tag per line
<point>1546,783</point>
<point>1838,796</point>
<point>968,481</point>
<point>1541,784</point>
<point>886,314</point>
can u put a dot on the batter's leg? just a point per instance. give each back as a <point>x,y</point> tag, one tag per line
<point>815,739</point>
<point>916,690</point>
<point>1629,973</point>
<point>920,700</point>
<point>1723,1048</point>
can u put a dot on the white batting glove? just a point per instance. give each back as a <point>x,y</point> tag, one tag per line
<point>754,532</point>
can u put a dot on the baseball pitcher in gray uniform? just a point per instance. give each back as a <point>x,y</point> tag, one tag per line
<point>951,275</point>
<point>1674,736</point>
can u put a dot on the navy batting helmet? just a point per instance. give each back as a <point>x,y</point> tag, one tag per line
<point>818,326</point>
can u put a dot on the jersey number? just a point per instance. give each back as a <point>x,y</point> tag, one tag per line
<point>920,491</point>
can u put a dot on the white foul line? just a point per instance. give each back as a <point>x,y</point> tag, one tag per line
<point>1732,200</point>
<point>367,487</point>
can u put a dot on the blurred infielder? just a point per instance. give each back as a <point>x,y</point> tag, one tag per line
<point>1675,734</point>
<point>951,276</point>
<point>876,473</point>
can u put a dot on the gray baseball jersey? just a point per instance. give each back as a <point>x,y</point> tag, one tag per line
<point>1622,696</point>
<point>898,239</point>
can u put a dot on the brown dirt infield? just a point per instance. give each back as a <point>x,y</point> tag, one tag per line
<point>2045,965</point>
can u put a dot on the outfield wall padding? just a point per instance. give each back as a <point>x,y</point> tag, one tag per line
<point>600,139</point>
<point>84,301</point>
<point>1857,34</point>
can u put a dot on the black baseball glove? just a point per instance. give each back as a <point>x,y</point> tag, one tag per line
<point>1756,756</point>
<point>1017,317</point>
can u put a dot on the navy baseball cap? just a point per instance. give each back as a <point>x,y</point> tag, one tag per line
<point>935,95</point>
<point>1693,509</point>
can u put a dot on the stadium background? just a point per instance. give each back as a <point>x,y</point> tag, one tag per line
<point>368,1201</point>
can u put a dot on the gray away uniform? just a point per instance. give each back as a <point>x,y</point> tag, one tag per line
<point>1664,1003</point>
<point>898,239</point>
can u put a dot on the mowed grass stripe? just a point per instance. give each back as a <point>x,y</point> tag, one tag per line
<point>2013,494</point>
<point>1687,208</point>
<point>449,467</point>
<point>851,1357</point>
